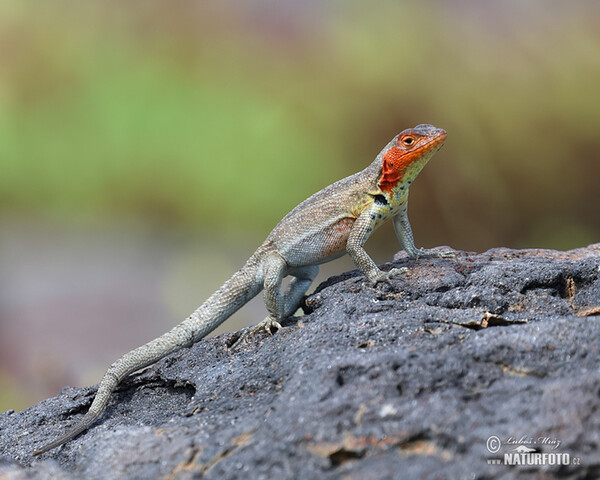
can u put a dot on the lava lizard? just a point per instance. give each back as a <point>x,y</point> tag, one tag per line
<point>334,221</point>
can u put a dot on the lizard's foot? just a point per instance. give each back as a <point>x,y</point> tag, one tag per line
<point>382,276</point>
<point>265,326</point>
<point>420,253</point>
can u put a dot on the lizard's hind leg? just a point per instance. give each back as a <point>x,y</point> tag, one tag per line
<point>303,277</point>
<point>280,305</point>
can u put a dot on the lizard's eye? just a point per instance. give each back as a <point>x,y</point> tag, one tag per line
<point>408,141</point>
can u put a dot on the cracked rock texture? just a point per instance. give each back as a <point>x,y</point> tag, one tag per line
<point>407,380</point>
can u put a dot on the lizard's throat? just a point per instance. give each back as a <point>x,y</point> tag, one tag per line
<point>399,170</point>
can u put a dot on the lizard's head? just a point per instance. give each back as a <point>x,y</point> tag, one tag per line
<point>407,154</point>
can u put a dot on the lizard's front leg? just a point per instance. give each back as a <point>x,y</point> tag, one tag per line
<point>405,236</point>
<point>361,230</point>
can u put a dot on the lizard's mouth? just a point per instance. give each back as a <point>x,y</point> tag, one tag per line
<point>432,142</point>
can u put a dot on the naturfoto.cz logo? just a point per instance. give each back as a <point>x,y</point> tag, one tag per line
<point>525,451</point>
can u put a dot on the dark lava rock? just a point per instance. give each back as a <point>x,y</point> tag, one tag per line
<point>410,380</point>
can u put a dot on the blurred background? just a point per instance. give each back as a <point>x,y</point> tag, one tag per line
<point>147,148</point>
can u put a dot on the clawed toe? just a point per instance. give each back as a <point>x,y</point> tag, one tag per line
<point>420,253</point>
<point>386,276</point>
<point>267,325</point>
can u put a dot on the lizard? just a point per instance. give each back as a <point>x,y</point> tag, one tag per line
<point>334,221</point>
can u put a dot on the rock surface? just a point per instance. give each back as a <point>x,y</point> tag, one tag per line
<point>407,380</point>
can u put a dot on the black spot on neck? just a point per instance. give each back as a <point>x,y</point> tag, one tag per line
<point>380,199</point>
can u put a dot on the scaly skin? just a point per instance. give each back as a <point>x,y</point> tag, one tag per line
<point>337,220</point>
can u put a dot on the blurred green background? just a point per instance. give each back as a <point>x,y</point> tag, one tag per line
<point>146,148</point>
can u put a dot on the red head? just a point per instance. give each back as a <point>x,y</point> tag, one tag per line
<point>408,153</point>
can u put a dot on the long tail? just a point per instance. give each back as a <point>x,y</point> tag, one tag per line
<point>234,294</point>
